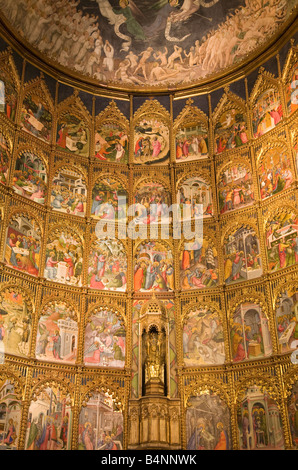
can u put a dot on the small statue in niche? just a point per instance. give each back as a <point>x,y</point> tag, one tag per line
<point>154,363</point>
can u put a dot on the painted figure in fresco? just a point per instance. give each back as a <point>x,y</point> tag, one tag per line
<point>4,159</point>
<point>48,421</point>
<point>109,434</point>
<point>282,241</point>
<point>36,118</point>
<point>207,423</point>
<point>111,143</point>
<point>105,341</point>
<point>22,251</point>
<point>152,202</point>
<point>203,341</point>
<point>275,174</point>
<point>9,95</point>
<point>109,200</point>
<point>287,320</point>
<point>193,194</point>
<point>30,177</point>
<point>291,91</point>
<point>259,421</point>
<point>107,266</point>
<point>154,268</point>
<point>64,258</point>
<point>69,192</point>
<point>151,142</point>
<point>73,135</point>
<point>230,131</point>
<point>267,112</point>
<point>57,334</point>
<point>250,335</point>
<point>198,265</point>
<point>192,143</point>
<point>10,417</point>
<point>293,415</point>
<point>235,188</point>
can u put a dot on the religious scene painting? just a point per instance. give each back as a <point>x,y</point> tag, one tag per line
<point>151,142</point>
<point>287,320</point>
<point>57,333</point>
<point>152,203</point>
<point>195,198</point>
<point>192,142</point>
<point>230,131</point>
<point>249,333</point>
<point>105,339</point>
<point>49,421</point>
<point>23,245</point>
<point>15,323</point>
<point>275,172</point>
<point>8,95</point>
<point>259,421</point>
<point>64,257</point>
<point>36,118</point>
<point>10,417</point>
<point>30,177</point>
<point>154,268</point>
<point>198,264</point>
<point>267,112</point>
<point>143,43</point>
<point>242,256</point>
<point>282,240</point>
<point>100,424</point>
<point>291,90</point>
<point>293,414</point>
<point>109,200</point>
<point>235,188</point>
<point>107,266</point>
<point>4,158</point>
<point>208,423</point>
<point>73,135</point>
<point>111,143</point>
<point>203,339</point>
<point>69,192</point>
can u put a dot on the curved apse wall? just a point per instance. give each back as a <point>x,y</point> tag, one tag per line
<point>230,296</point>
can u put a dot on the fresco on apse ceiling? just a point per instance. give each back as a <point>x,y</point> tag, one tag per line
<point>15,323</point>
<point>275,173</point>
<point>291,90</point>
<point>292,413</point>
<point>69,192</point>
<point>154,268</point>
<point>208,423</point>
<point>267,112</point>
<point>249,333</point>
<point>8,95</point>
<point>195,198</point>
<point>23,245</point>
<point>142,42</point>
<point>10,417</point>
<point>4,159</point>
<point>192,142</point>
<point>151,142</point>
<point>49,421</point>
<point>73,135</point>
<point>100,424</point>
<point>36,118</point>
<point>30,177</point>
<point>152,202</point>
<point>287,320</point>
<point>57,333</point>
<point>109,200</point>
<point>235,188</point>
<point>107,268</point>
<point>242,256</point>
<point>105,340</point>
<point>259,421</point>
<point>203,339</point>
<point>282,240</point>
<point>111,143</point>
<point>64,257</point>
<point>198,264</point>
<point>230,131</point>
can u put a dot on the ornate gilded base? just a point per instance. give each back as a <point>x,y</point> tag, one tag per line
<point>154,423</point>
<point>154,387</point>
